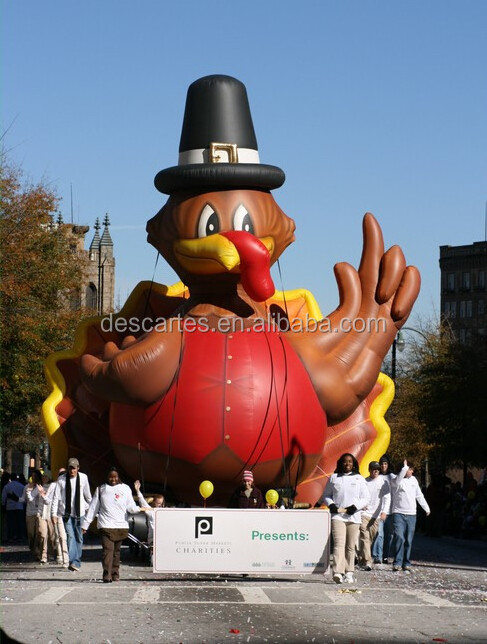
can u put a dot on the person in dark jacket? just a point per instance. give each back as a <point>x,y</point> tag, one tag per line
<point>247,495</point>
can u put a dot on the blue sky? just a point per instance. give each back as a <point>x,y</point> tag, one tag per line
<point>367,106</point>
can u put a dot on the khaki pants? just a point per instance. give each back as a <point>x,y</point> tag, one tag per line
<point>31,526</point>
<point>345,538</point>
<point>61,542</point>
<point>45,533</point>
<point>368,530</point>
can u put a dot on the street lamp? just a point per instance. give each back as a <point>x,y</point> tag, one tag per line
<point>398,345</point>
<point>410,328</point>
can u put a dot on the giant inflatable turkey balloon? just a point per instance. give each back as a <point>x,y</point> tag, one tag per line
<point>226,374</point>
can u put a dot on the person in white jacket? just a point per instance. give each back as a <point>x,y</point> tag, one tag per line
<point>30,496</point>
<point>405,493</point>
<point>345,494</point>
<point>60,537</point>
<point>375,512</point>
<point>111,502</point>
<point>46,533</point>
<point>72,496</point>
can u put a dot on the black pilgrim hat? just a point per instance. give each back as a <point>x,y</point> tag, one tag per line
<point>218,147</point>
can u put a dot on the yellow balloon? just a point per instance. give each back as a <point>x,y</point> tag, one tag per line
<point>272,497</point>
<point>206,489</point>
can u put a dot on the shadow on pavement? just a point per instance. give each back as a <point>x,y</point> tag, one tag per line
<point>464,554</point>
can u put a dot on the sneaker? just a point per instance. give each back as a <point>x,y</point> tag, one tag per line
<point>349,578</point>
<point>367,568</point>
<point>338,578</point>
<point>377,561</point>
<point>65,565</point>
<point>43,562</point>
<point>395,568</point>
<point>385,560</point>
<point>406,569</point>
<point>73,568</point>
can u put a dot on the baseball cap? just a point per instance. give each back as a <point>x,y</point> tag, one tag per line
<point>374,465</point>
<point>73,462</point>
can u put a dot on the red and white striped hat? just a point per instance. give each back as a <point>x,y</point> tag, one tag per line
<point>247,476</point>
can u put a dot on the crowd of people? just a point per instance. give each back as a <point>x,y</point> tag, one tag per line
<point>373,519</point>
<point>457,510</point>
<point>26,508</point>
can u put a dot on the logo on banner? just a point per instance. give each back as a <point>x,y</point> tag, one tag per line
<point>203,526</point>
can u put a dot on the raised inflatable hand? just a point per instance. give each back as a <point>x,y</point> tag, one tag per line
<point>343,354</point>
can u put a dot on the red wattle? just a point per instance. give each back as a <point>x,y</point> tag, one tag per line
<point>255,264</point>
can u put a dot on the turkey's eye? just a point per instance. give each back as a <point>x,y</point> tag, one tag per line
<point>208,223</point>
<point>242,220</point>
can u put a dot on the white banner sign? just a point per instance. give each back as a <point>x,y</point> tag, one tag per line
<point>241,541</point>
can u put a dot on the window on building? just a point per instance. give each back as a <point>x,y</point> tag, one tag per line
<point>466,281</point>
<point>453,309</point>
<point>481,307</point>
<point>462,335</point>
<point>468,308</point>
<point>450,282</point>
<point>481,282</point>
<point>462,309</point>
<point>91,299</point>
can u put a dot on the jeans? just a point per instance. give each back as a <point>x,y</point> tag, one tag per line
<point>381,548</point>
<point>75,539</point>
<point>404,525</point>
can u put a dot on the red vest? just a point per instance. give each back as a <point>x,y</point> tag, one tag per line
<point>247,390</point>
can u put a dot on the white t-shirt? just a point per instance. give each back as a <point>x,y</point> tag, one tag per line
<point>59,499</point>
<point>380,496</point>
<point>111,503</point>
<point>405,493</point>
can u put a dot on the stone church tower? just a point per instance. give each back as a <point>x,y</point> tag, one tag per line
<point>97,290</point>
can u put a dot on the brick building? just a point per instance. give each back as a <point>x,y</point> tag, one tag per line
<point>464,289</point>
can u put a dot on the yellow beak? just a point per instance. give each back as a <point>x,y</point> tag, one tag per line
<point>211,255</point>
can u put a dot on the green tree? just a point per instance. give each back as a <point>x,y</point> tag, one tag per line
<point>40,268</point>
<point>439,411</point>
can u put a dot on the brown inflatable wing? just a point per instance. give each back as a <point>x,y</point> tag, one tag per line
<point>76,421</point>
<point>365,434</point>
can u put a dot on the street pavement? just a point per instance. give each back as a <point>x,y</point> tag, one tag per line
<point>444,599</point>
